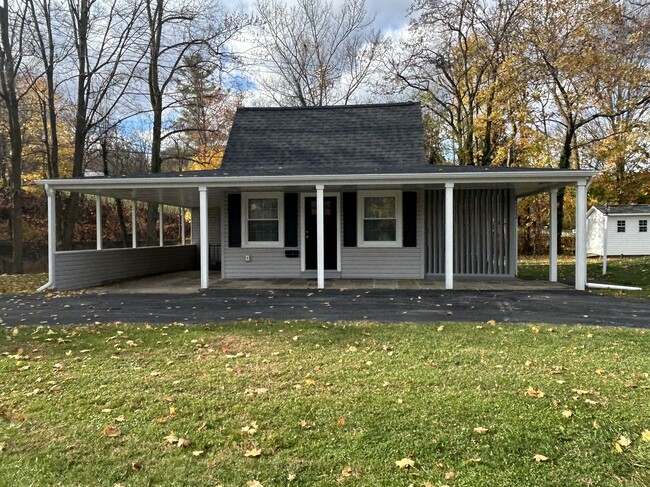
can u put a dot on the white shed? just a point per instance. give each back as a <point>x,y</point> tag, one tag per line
<point>618,230</point>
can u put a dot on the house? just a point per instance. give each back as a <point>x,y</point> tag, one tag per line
<point>618,230</point>
<point>326,193</point>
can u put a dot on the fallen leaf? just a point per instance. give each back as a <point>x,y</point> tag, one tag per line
<point>3,446</point>
<point>540,458</point>
<point>624,441</point>
<point>171,438</point>
<point>162,420</point>
<point>136,466</point>
<point>253,483</point>
<point>291,477</point>
<point>537,393</point>
<point>197,453</point>
<point>491,322</point>
<point>253,452</point>
<point>534,329</point>
<point>203,426</point>
<point>645,435</point>
<point>305,425</point>
<point>567,413</point>
<point>341,422</point>
<point>120,418</point>
<point>405,463</point>
<point>183,443</point>
<point>110,431</point>
<point>618,448</point>
<point>450,475</point>
<point>441,327</point>
<point>480,430</point>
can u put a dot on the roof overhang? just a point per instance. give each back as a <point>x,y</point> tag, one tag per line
<point>183,191</point>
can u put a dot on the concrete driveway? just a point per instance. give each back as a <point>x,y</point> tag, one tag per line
<point>382,305</point>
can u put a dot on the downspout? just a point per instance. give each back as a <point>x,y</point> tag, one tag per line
<point>51,237</point>
<point>595,285</point>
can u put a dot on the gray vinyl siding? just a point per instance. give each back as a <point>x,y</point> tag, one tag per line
<point>263,263</point>
<point>629,242</point>
<point>85,268</point>
<point>214,226</point>
<point>386,262</point>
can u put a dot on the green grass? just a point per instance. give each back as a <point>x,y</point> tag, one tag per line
<point>627,271</point>
<point>21,283</point>
<point>367,395</point>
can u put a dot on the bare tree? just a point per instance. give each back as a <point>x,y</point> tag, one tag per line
<point>174,31</point>
<point>105,57</point>
<point>317,55</point>
<point>12,28</point>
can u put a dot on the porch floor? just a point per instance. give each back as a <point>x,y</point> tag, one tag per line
<point>188,282</point>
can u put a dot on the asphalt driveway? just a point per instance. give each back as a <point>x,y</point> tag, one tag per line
<point>382,305</point>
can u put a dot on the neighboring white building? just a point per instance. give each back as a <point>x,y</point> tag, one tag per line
<point>627,230</point>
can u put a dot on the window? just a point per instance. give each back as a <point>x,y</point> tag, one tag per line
<point>262,219</point>
<point>620,226</point>
<point>643,226</point>
<point>380,218</point>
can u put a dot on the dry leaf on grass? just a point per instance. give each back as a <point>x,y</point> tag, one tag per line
<point>253,452</point>
<point>197,453</point>
<point>645,435</point>
<point>567,413</point>
<point>624,441</point>
<point>480,430</point>
<point>405,463</point>
<point>531,392</point>
<point>253,483</point>
<point>111,431</point>
<point>540,458</point>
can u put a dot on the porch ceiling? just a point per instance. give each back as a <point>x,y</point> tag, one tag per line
<point>183,192</point>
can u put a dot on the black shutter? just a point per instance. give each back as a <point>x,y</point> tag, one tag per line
<point>409,218</point>
<point>349,219</point>
<point>234,220</point>
<point>291,219</point>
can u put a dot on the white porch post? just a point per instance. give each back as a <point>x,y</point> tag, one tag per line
<point>514,234</point>
<point>449,235</point>
<point>182,226</point>
<point>134,224</point>
<point>51,235</point>
<point>203,245</point>
<point>552,249</point>
<point>161,226</point>
<point>320,236</point>
<point>581,230</point>
<point>605,237</point>
<point>98,218</point>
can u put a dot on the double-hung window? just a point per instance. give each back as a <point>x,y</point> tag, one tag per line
<point>262,219</point>
<point>380,218</point>
<point>620,226</point>
<point>643,226</point>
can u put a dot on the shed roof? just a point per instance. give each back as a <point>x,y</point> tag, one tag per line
<point>625,209</point>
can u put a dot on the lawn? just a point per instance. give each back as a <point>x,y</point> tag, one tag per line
<point>21,283</point>
<point>295,403</point>
<point>627,271</point>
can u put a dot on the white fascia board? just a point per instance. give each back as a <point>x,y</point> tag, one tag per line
<point>567,177</point>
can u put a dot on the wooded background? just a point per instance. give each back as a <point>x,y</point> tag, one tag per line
<point>136,86</point>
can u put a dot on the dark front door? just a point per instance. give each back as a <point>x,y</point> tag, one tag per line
<point>331,239</point>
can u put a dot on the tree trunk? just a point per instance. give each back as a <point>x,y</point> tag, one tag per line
<point>121,219</point>
<point>8,79</point>
<point>565,163</point>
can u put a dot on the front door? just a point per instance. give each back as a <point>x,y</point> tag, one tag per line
<point>331,234</point>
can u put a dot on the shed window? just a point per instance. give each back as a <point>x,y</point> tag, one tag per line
<point>620,226</point>
<point>262,215</point>
<point>380,218</point>
<point>643,226</point>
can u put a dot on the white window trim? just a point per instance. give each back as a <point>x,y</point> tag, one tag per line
<point>244,220</point>
<point>361,195</point>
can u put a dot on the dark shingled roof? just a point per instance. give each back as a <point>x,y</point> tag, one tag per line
<point>625,209</point>
<point>353,139</point>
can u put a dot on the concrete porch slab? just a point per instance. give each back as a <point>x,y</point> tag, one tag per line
<point>187,282</point>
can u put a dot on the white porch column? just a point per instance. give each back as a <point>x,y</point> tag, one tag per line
<point>581,231</point>
<point>552,248</point>
<point>134,224</point>
<point>514,234</point>
<point>98,220</point>
<point>605,237</point>
<point>203,245</point>
<point>182,226</point>
<point>449,235</point>
<point>161,226</point>
<point>320,236</point>
<point>51,235</point>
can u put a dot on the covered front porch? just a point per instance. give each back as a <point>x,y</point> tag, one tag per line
<point>184,282</point>
<point>454,234</point>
